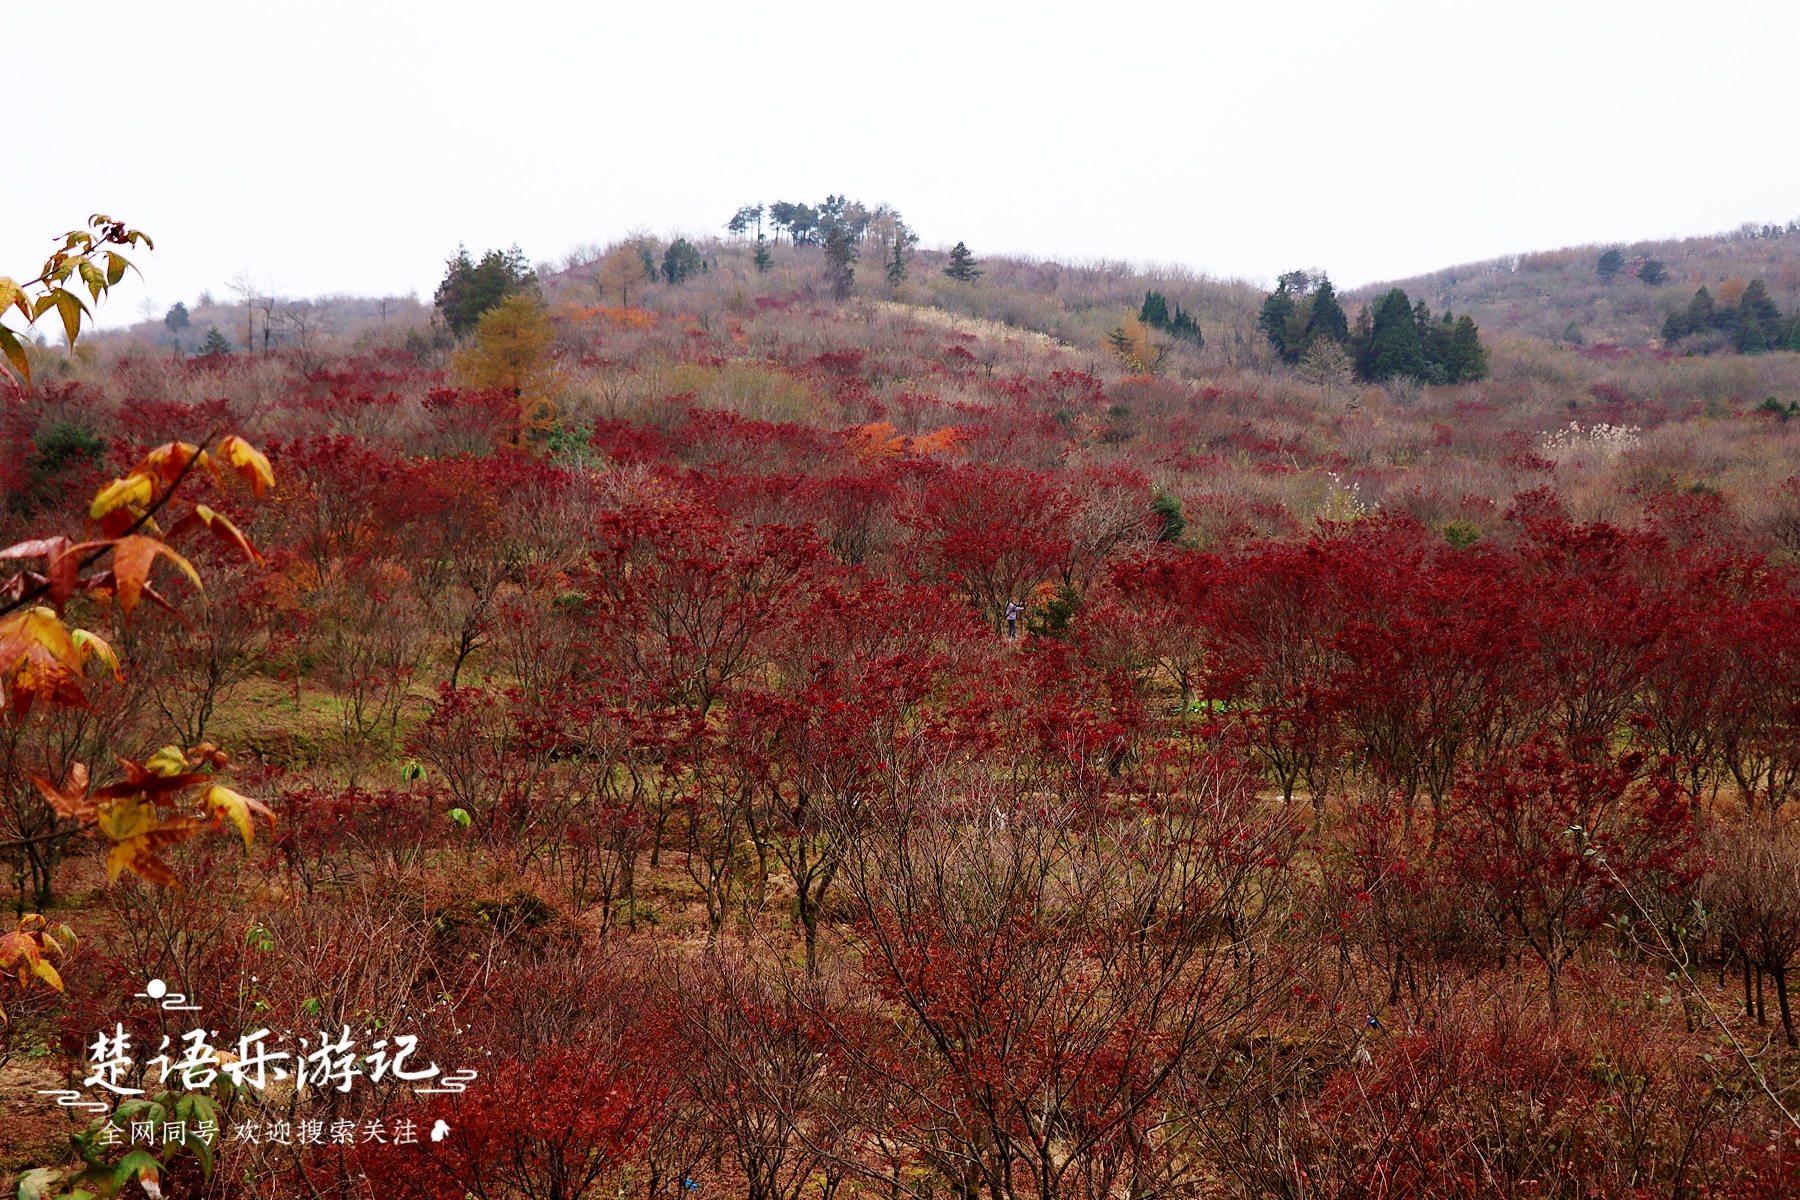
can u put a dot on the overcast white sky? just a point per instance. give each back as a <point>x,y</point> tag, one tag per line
<point>332,146</point>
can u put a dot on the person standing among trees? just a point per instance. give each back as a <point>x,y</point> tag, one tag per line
<point>1013,609</point>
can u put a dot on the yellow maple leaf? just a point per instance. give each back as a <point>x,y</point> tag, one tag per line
<point>250,463</point>
<point>225,804</point>
<point>133,491</point>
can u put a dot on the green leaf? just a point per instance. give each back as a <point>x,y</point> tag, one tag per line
<point>143,1165</point>
<point>201,1151</point>
<point>195,1107</point>
<point>460,816</point>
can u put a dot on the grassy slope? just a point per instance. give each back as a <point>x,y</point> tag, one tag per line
<point>1540,294</point>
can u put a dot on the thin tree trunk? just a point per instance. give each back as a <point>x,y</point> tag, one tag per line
<point>1779,970</point>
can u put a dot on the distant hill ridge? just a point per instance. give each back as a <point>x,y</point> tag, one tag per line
<point>1560,295</point>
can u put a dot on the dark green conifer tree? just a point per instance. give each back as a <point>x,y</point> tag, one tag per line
<point>680,260</point>
<point>1434,343</point>
<point>1752,338</point>
<point>1610,264</point>
<point>904,240</point>
<point>762,258</point>
<point>1701,313</point>
<point>470,288</point>
<point>963,267</point>
<point>1393,347</point>
<point>1327,319</point>
<point>1277,314</point>
<point>213,343</point>
<point>1697,317</point>
<point>1466,358</point>
<point>1758,320</point>
<point>840,259</point>
<point>1155,311</point>
<point>1174,521</point>
<point>1183,326</point>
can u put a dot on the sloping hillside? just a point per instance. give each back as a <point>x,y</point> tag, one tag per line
<point>1561,294</point>
<point>1077,304</point>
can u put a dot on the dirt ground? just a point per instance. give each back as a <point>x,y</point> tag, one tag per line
<point>33,1130</point>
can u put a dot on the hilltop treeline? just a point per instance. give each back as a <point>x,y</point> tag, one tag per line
<point>1618,295</point>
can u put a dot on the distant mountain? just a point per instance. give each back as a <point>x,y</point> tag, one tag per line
<point>1561,295</point>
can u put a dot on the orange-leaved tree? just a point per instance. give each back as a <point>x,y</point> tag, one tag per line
<point>45,658</point>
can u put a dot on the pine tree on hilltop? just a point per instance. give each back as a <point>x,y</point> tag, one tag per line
<point>762,258</point>
<point>904,240</point>
<point>963,266</point>
<point>1610,264</point>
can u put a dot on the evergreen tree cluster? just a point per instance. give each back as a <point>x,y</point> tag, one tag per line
<point>1397,339</point>
<point>1157,314</point>
<point>470,288</point>
<point>1394,338</point>
<point>807,224</point>
<point>1752,325</point>
<point>1302,310</point>
<point>1610,263</point>
<point>837,224</point>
